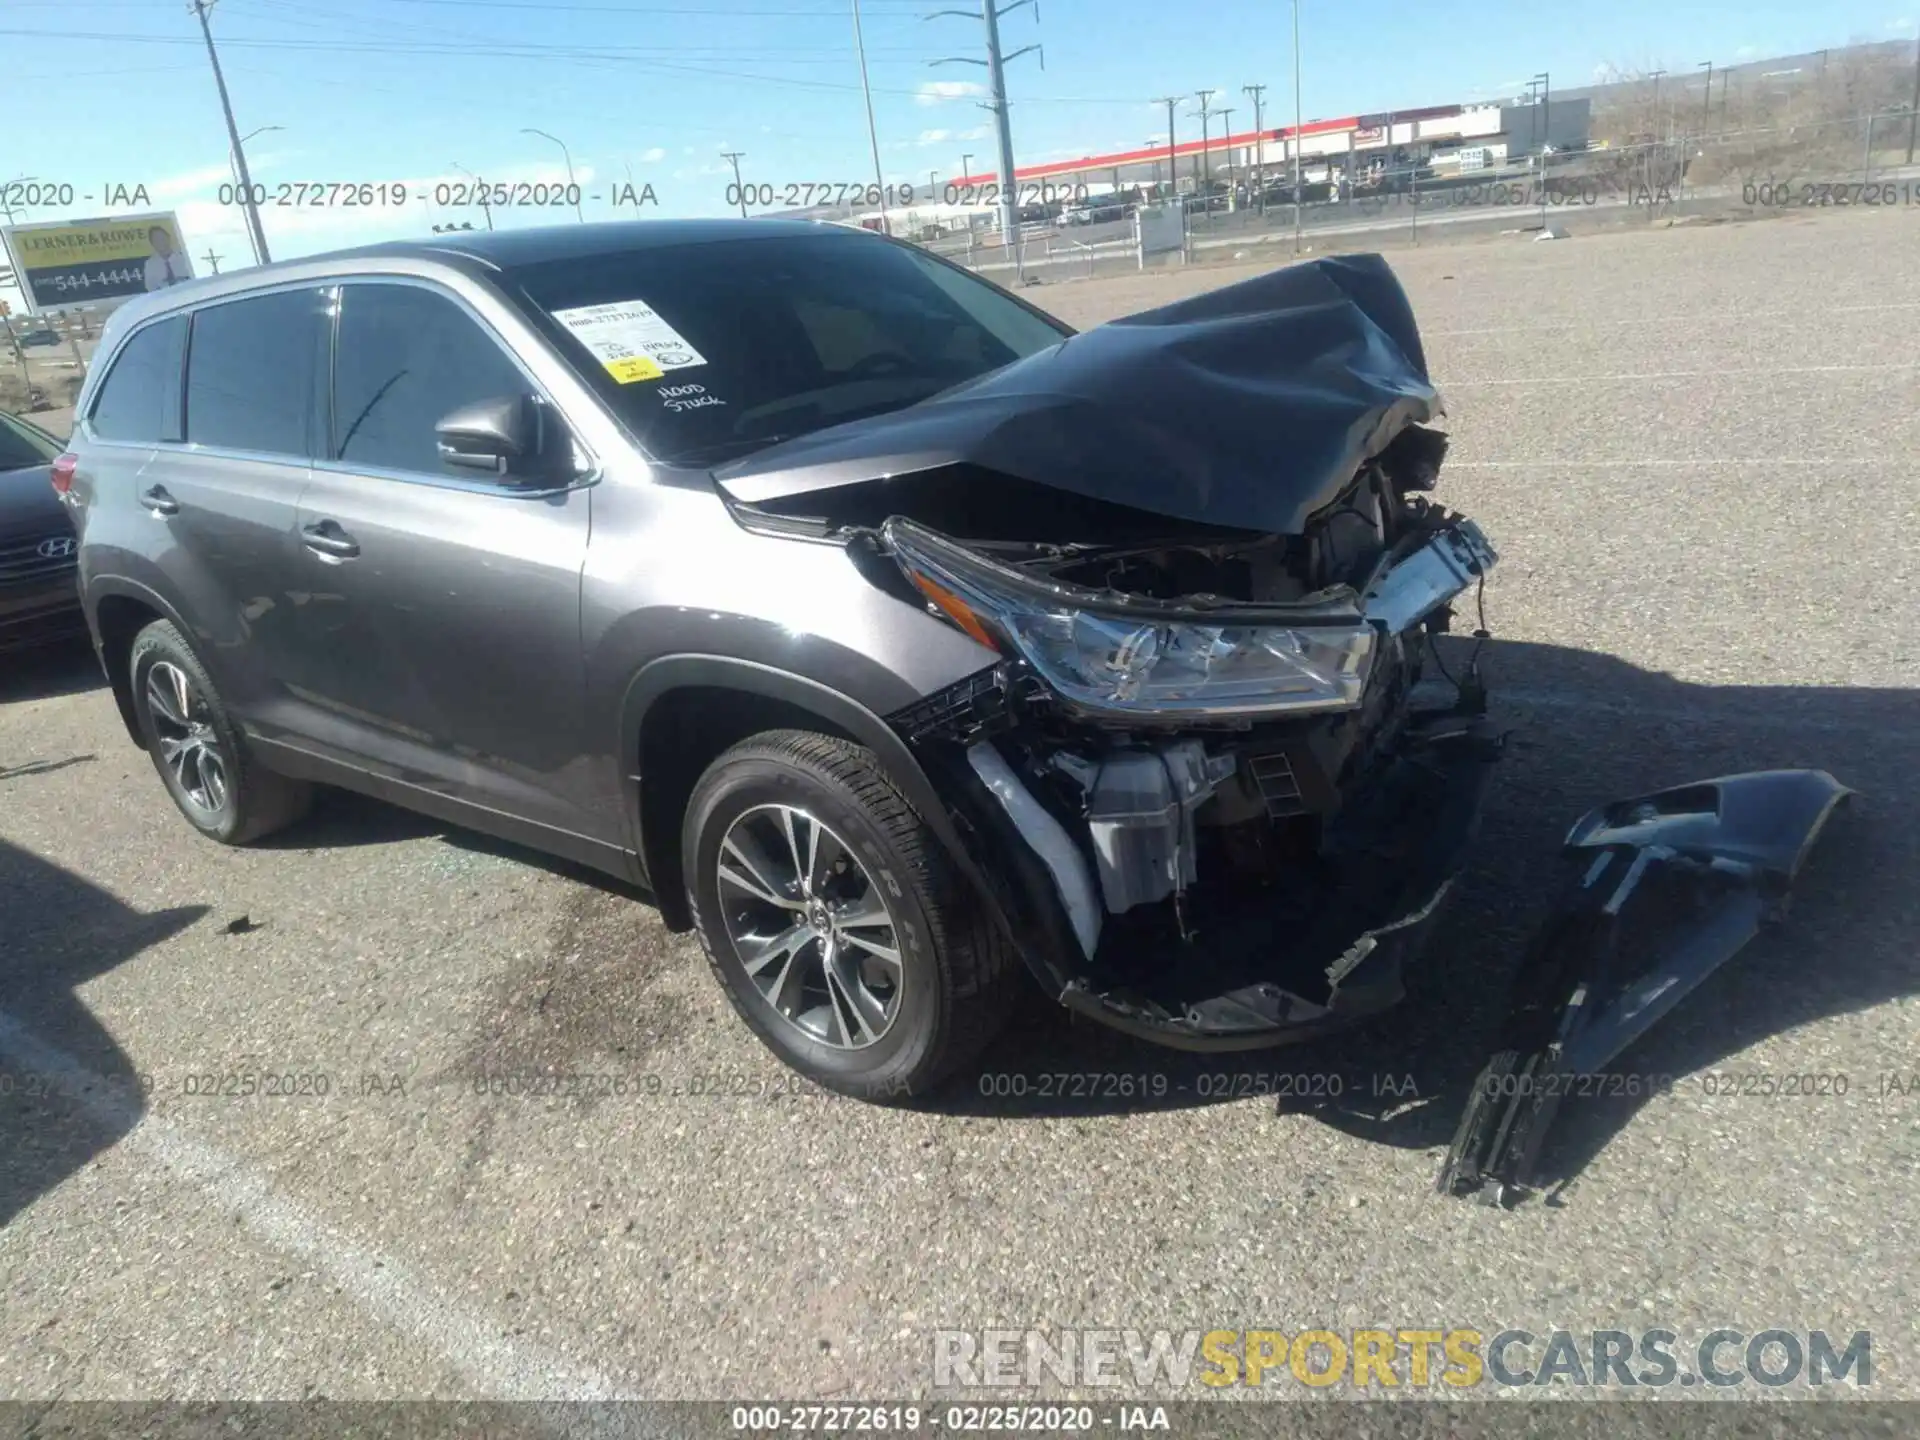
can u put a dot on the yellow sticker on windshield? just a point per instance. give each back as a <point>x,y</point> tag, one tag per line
<point>632,368</point>
<point>630,339</point>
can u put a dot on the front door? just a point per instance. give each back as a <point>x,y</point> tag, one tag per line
<point>441,628</point>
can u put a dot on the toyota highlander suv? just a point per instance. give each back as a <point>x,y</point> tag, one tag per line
<point>895,637</point>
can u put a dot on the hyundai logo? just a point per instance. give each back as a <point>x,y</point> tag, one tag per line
<point>58,548</point>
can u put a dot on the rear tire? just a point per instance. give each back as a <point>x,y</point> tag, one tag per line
<point>201,756</point>
<point>803,957</point>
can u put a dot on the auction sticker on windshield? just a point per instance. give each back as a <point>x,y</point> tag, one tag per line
<point>630,339</point>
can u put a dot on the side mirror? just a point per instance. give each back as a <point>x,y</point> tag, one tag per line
<point>510,435</point>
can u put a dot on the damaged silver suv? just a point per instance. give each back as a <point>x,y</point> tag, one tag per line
<point>894,636</point>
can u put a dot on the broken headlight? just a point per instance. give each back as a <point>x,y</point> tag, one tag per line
<point>1121,659</point>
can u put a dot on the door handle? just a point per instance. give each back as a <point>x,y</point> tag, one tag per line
<point>327,539</point>
<point>156,499</point>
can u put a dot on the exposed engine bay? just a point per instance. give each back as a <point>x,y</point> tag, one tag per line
<point>1223,864</point>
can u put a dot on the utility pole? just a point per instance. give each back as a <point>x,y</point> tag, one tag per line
<point>254,230</point>
<point>989,14</point>
<point>1913,110</point>
<point>1259,145</point>
<point>1297,126</point>
<point>213,260</point>
<point>1706,101</point>
<point>1203,172</point>
<point>1658,129</point>
<point>734,157</point>
<point>1226,134</point>
<point>873,135</point>
<point>1173,161</point>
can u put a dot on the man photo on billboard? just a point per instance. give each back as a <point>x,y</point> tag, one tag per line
<point>165,266</point>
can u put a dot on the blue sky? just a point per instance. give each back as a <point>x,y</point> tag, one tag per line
<point>105,91</point>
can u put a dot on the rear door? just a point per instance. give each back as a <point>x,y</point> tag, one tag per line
<point>442,630</point>
<point>224,503</point>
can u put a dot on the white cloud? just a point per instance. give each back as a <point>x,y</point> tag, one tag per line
<point>190,182</point>
<point>1901,26</point>
<point>978,132</point>
<point>653,156</point>
<point>938,92</point>
<point>934,137</point>
<point>1746,52</point>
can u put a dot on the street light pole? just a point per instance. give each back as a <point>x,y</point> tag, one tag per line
<point>568,154</point>
<point>734,157</point>
<point>480,186</point>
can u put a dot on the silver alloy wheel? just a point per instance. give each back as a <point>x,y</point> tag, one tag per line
<point>811,928</point>
<point>189,746</point>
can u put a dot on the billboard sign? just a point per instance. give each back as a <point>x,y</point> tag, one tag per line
<point>60,264</point>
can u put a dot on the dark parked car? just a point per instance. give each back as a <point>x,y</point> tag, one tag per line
<point>889,632</point>
<point>39,569</point>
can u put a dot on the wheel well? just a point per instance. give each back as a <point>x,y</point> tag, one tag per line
<point>684,732</point>
<point>118,619</point>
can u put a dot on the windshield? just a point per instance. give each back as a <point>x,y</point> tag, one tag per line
<point>708,351</point>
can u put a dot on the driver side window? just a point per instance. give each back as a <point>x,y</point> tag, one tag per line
<point>405,357</point>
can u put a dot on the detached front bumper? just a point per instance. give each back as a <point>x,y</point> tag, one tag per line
<point>1666,888</point>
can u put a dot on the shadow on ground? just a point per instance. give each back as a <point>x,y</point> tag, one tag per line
<point>68,668</point>
<point>67,1090</point>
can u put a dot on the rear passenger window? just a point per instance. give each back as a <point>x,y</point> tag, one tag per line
<point>405,358</point>
<point>253,370</point>
<point>140,400</point>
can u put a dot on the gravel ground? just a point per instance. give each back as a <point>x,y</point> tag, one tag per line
<point>1694,447</point>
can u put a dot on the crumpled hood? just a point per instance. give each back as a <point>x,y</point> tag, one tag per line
<point>1249,406</point>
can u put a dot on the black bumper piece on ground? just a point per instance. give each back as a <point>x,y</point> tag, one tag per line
<point>1670,886</point>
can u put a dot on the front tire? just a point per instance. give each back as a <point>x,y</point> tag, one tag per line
<point>835,921</point>
<point>198,751</point>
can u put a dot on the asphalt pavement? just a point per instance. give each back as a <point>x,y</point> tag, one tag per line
<point>1695,450</point>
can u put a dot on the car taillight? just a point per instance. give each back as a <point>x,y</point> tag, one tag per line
<point>63,469</point>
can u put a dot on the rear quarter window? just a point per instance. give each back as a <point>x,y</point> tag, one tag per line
<point>139,401</point>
